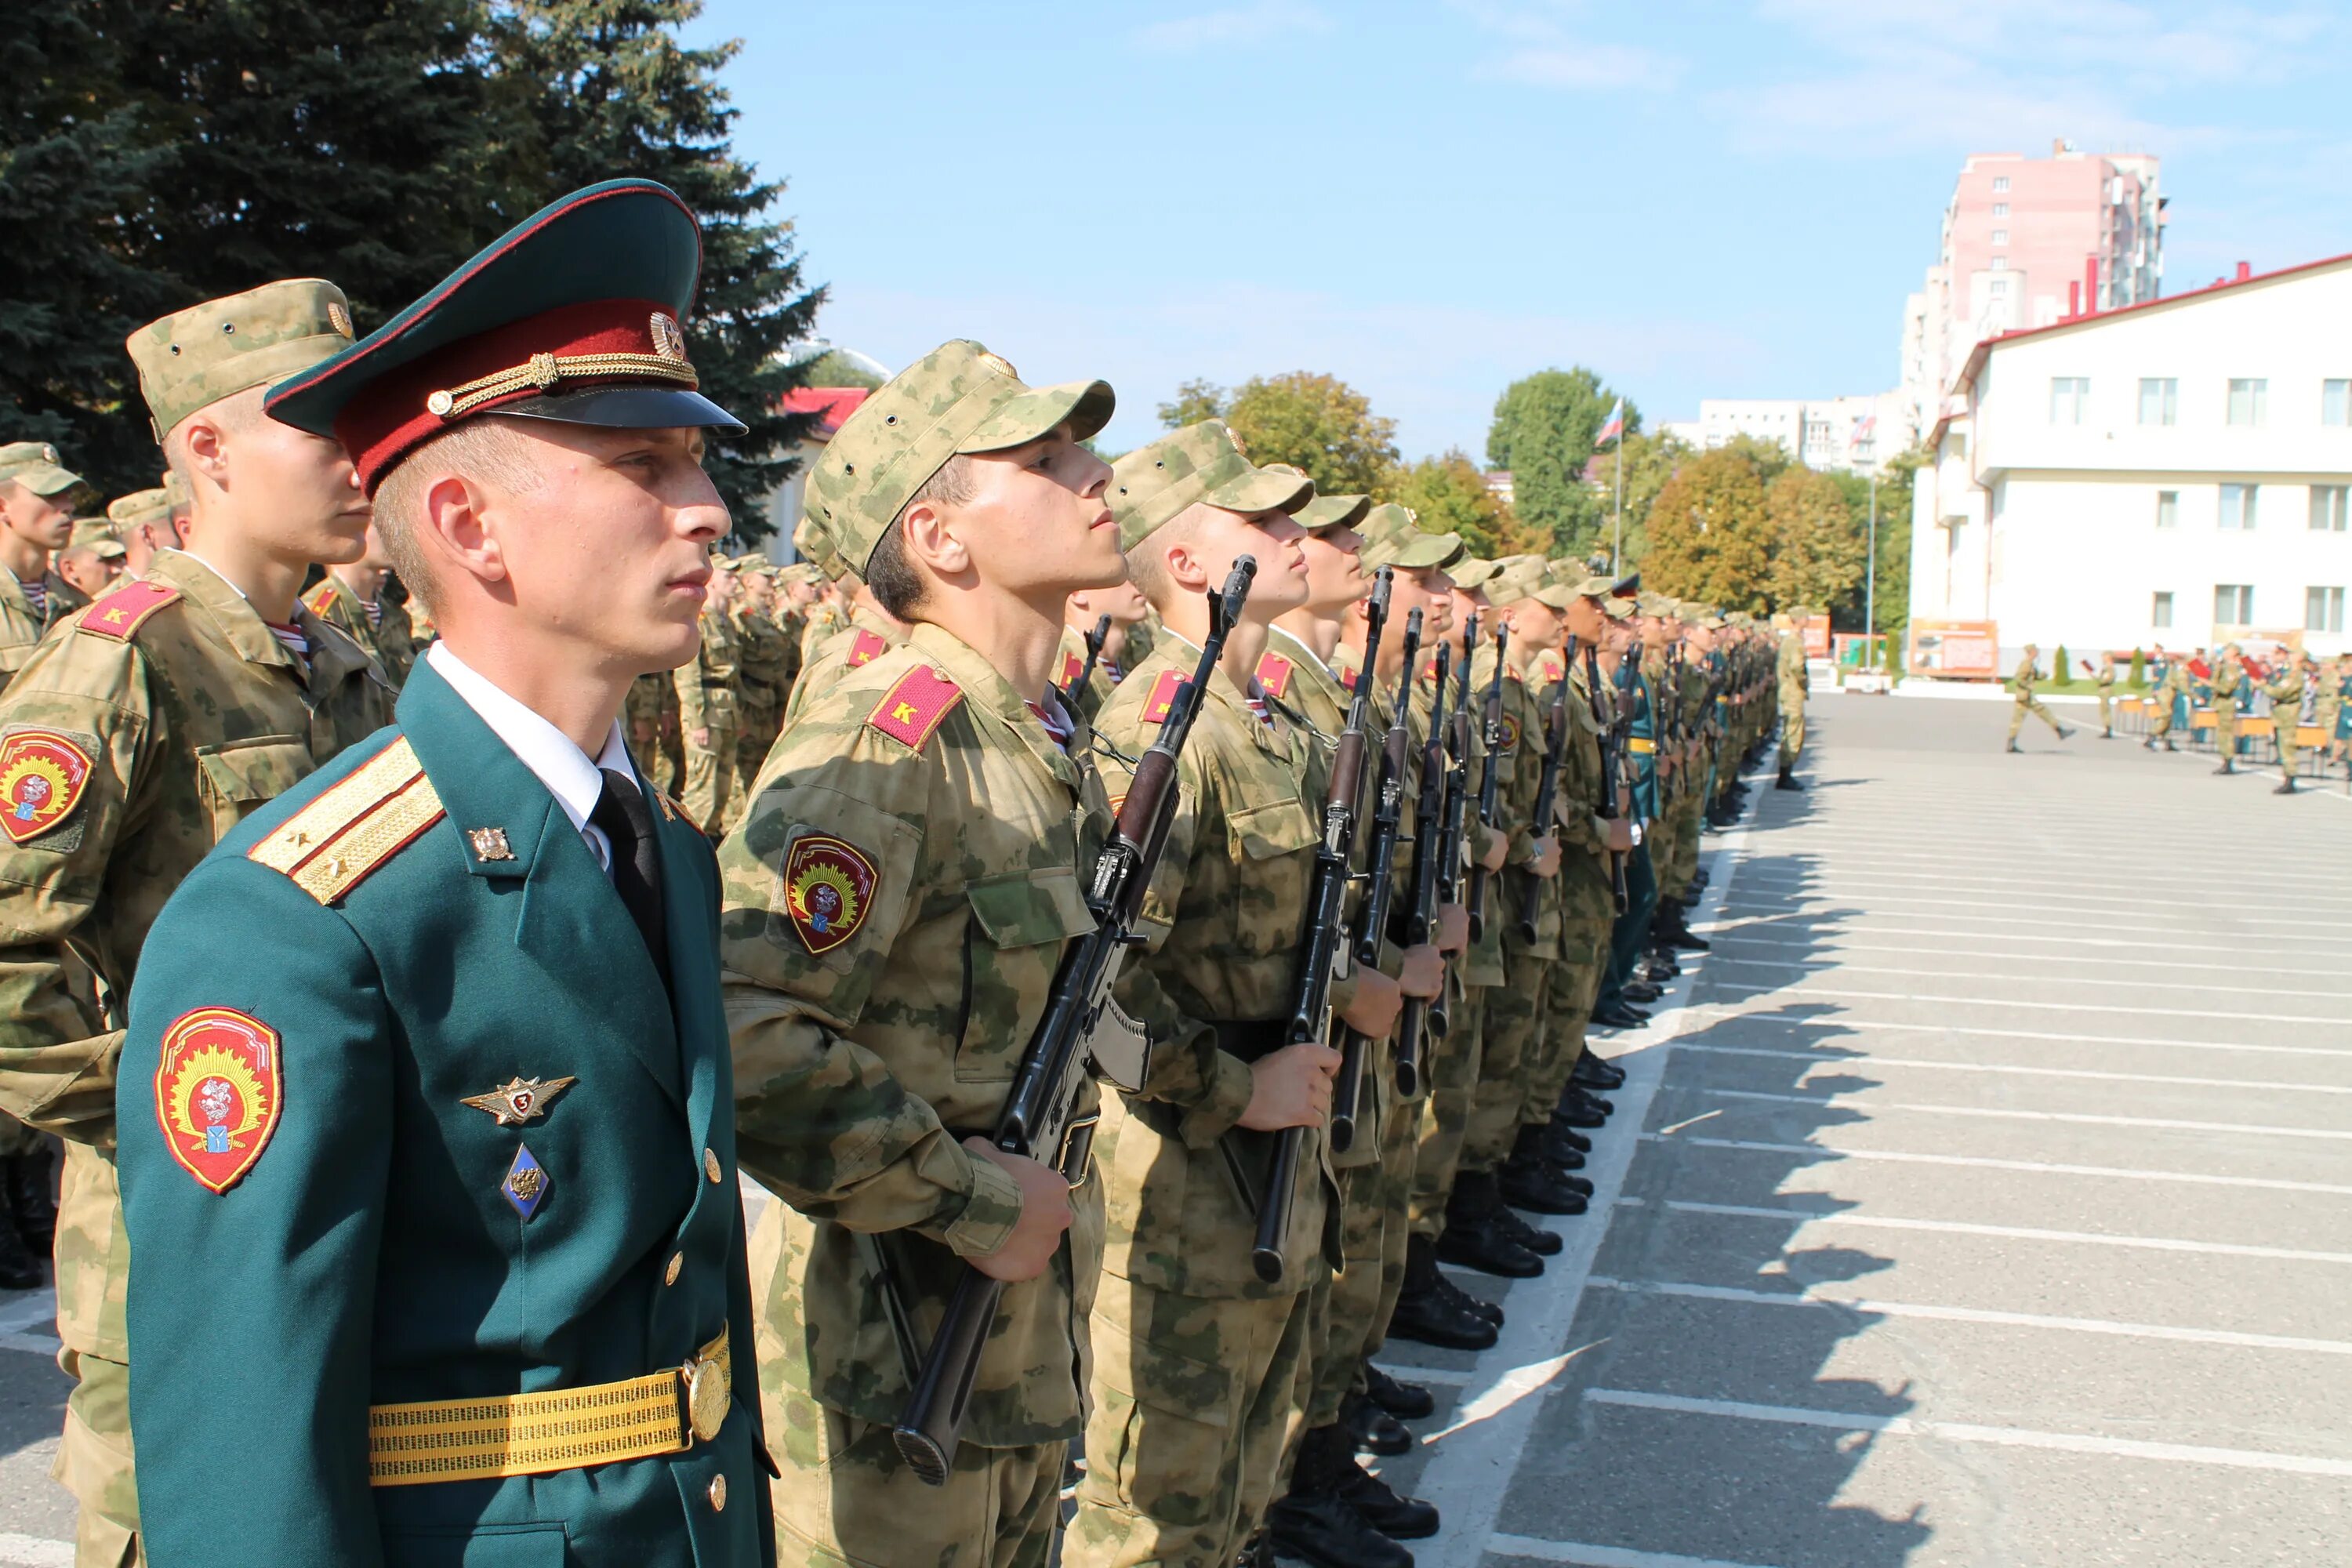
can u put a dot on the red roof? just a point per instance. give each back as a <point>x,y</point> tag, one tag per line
<point>831,404</point>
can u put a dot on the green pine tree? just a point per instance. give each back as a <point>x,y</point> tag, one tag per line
<point>609,90</point>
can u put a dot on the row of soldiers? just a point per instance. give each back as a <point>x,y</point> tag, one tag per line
<point>2302,697</point>
<point>1006,625</point>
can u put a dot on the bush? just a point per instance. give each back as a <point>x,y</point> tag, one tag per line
<point>2138,668</point>
<point>2062,668</point>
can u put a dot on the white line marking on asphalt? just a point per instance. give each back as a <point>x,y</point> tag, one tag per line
<point>2105,961</point>
<point>32,1552</point>
<point>2005,1113</point>
<point>1808,1297</point>
<point>1853,1027</point>
<point>2004,1232</point>
<point>2339,1022</point>
<point>1585,1556</point>
<point>2300,929</point>
<point>1981,1162</point>
<point>1452,1376</point>
<point>1834,883</point>
<point>29,1345</point>
<point>1836,966</point>
<point>1961,1432</point>
<point>39,1308</point>
<point>1833,937</point>
<point>1691,1122</point>
<point>2005,1069</point>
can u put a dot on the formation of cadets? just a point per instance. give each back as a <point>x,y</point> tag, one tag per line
<point>1139,918</point>
<point>2232,701</point>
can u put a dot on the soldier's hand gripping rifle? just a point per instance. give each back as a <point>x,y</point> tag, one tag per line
<point>1547,792</point>
<point>1489,781</point>
<point>1094,640</point>
<point>1457,805</point>
<point>1612,765</point>
<point>1380,865</point>
<point>1428,830</point>
<point>1082,1035</point>
<point>1318,944</point>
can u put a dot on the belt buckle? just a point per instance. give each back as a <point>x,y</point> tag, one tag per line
<point>703,1398</point>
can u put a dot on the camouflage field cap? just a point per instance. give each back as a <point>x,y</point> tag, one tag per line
<point>1473,572</point>
<point>96,534</point>
<point>1201,463</point>
<point>138,507</point>
<point>194,358</point>
<point>175,492</point>
<point>1391,538</point>
<point>814,542</point>
<point>957,398</point>
<point>1528,579</point>
<point>1333,511</point>
<point>36,466</point>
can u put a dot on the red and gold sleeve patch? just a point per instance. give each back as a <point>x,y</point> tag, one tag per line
<point>1509,739</point>
<point>911,711</point>
<point>828,889</point>
<point>218,1093</point>
<point>865,649</point>
<point>118,613</point>
<point>1163,696</point>
<point>1274,674</point>
<point>42,775</point>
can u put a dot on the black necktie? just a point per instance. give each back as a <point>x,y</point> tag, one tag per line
<point>622,815</point>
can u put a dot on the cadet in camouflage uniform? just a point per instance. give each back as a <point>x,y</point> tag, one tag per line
<point>897,903</point>
<point>1201,1367</point>
<point>2022,681</point>
<point>350,598</point>
<point>2229,675</point>
<point>1795,682</point>
<point>92,561</point>
<point>2288,692</point>
<point>143,522</point>
<point>770,660</point>
<point>131,741</point>
<point>1127,609</point>
<point>36,517</point>
<point>706,711</point>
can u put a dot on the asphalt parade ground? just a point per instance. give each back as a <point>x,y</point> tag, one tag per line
<point>1985,1197</point>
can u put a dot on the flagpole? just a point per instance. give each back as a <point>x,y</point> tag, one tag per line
<point>1617,543</point>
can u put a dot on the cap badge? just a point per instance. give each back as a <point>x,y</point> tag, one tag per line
<point>49,453</point>
<point>1235,436</point>
<point>1000,365</point>
<point>338,319</point>
<point>520,1100</point>
<point>489,843</point>
<point>668,341</point>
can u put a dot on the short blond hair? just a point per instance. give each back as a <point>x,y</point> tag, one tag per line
<point>488,451</point>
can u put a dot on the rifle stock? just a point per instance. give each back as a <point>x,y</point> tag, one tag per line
<point>1457,797</point>
<point>1428,830</point>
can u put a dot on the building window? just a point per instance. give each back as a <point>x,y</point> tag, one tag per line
<point>2249,401</point>
<point>2159,399</point>
<point>2067,395</point>
<point>2168,508</point>
<point>2323,610</point>
<point>1999,287</point>
<point>2001,264</point>
<point>2000,184</point>
<point>2328,507</point>
<point>2233,605</point>
<point>2000,209</point>
<point>2336,402</point>
<point>2160,610</point>
<point>2238,507</point>
<point>2000,236</point>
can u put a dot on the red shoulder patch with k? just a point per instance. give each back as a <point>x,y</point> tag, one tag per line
<point>1348,679</point>
<point>321,598</point>
<point>828,886</point>
<point>1274,674</point>
<point>118,613</point>
<point>1071,665</point>
<point>219,1093</point>
<point>1163,696</point>
<point>42,773</point>
<point>865,649</point>
<point>912,710</point>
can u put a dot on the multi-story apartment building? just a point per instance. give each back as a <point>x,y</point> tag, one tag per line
<point>1853,433</point>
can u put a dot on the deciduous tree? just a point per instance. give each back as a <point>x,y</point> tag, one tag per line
<point>1542,432</point>
<point>1318,423</point>
<point>1449,495</point>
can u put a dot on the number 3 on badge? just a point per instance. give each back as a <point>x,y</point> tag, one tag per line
<point>218,1093</point>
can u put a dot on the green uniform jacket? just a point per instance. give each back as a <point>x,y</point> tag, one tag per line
<point>370,1252</point>
<point>391,637</point>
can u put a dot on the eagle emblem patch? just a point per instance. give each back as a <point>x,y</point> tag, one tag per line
<point>41,777</point>
<point>828,889</point>
<point>218,1093</point>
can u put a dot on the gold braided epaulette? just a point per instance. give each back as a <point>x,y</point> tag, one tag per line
<point>356,824</point>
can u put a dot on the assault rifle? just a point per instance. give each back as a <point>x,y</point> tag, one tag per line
<point>1379,864</point>
<point>1319,947</point>
<point>1428,828</point>
<point>1547,792</point>
<point>1457,796</point>
<point>1094,640</point>
<point>1612,765</point>
<point>1082,1035</point>
<point>1489,781</point>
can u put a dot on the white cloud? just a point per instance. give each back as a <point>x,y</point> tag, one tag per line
<point>1550,47</point>
<point>1235,24</point>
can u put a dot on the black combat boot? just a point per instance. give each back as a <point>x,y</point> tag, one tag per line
<point>1473,1240</point>
<point>1517,1226</point>
<point>1374,1430</point>
<point>1566,1141</point>
<point>1487,1312</point>
<point>1527,1180</point>
<point>1787,780</point>
<point>1315,1522</point>
<point>30,1199</point>
<point>1405,1401</point>
<point>1594,1070</point>
<point>1426,1312</point>
<point>2228,766</point>
<point>1573,1100</point>
<point>2286,786</point>
<point>1398,1518</point>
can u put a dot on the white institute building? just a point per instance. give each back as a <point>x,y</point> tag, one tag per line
<point>2174,471</point>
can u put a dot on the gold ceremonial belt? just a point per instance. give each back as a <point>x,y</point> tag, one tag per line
<point>561,1430</point>
<point>1640,745</point>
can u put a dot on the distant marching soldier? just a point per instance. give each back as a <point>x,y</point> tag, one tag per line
<point>2229,676</point>
<point>2106,679</point>
<point>2022,682</point>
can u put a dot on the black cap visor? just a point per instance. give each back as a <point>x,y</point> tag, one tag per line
<point>627,408</point>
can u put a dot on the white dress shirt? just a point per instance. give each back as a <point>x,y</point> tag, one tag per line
<point>575,781</point>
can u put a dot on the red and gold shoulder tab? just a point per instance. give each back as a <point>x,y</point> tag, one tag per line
<point>123,610</point>
<point>1274,674</point>
<point>354,826</point>
<point>865,649</point>
<point>1163,696</point>
<point>911,711</point>
<point>321,599</point>
<point>1347,679</point>
<point>1071,665</point>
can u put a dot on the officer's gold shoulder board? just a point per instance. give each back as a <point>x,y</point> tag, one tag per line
<point>1163,696</point>
<point>865,649</point>
<point>1274,674</point>
<point>355,826</point>
<point>121,612</point>
<point>913,710</point>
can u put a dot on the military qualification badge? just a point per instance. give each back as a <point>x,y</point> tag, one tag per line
<point>217,1093</point>
<point>41,778</point>
<point>828,888</point>
<point>519,1099</point>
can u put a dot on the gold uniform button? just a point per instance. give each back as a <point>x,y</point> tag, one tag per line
<point>676,1262</point>
<point>719,1494</point>
<point>710,1166</point>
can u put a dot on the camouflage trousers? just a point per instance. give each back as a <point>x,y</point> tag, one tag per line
<point>1567,1007</point>
<point>1792,732</point>
<point>1682,864</point>
<point>846,1500</point>
<point>94,1462</point>
<point>1399,1160</point>
<point>2028,703</point>
<point>710,783</point>
<point>1513,1037</point>
<point>1196,1403</point>
<point>1443,1119</point>
<point>1352,1317</point>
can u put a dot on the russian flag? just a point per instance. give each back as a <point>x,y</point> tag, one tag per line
<point>1613,427</point>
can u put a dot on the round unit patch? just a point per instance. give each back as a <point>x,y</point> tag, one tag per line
<point>828,888</point>
<point>217,1093</point>
<point>41,778</point>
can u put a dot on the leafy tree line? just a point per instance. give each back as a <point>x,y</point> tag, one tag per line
<point>153,155</point>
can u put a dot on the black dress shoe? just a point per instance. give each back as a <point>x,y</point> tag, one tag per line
<point>1640,991</point>
<point>1398,1518</point>
<point>1405,1401</point>
<point>1596,1071</point>
<point>1484,1246</point>
<point>1325,1529</point>
<point>1427,1318</point>
<point>1376,1431</point>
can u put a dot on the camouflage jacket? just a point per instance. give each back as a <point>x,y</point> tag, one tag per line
<point>768,661</point>
<point>1584,877</point>
<point>1222,923</point>
<point>1789,666</point>
<point>706,684</point>
<point>867,638</point>
<point>158,718</point>
<point>22,626</point>
<point>389,634</point>
<point>819,624</point>
<point>896,901</point>
<point>1527,699</point>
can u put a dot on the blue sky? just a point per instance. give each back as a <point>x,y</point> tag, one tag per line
<point>1429,199</point>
